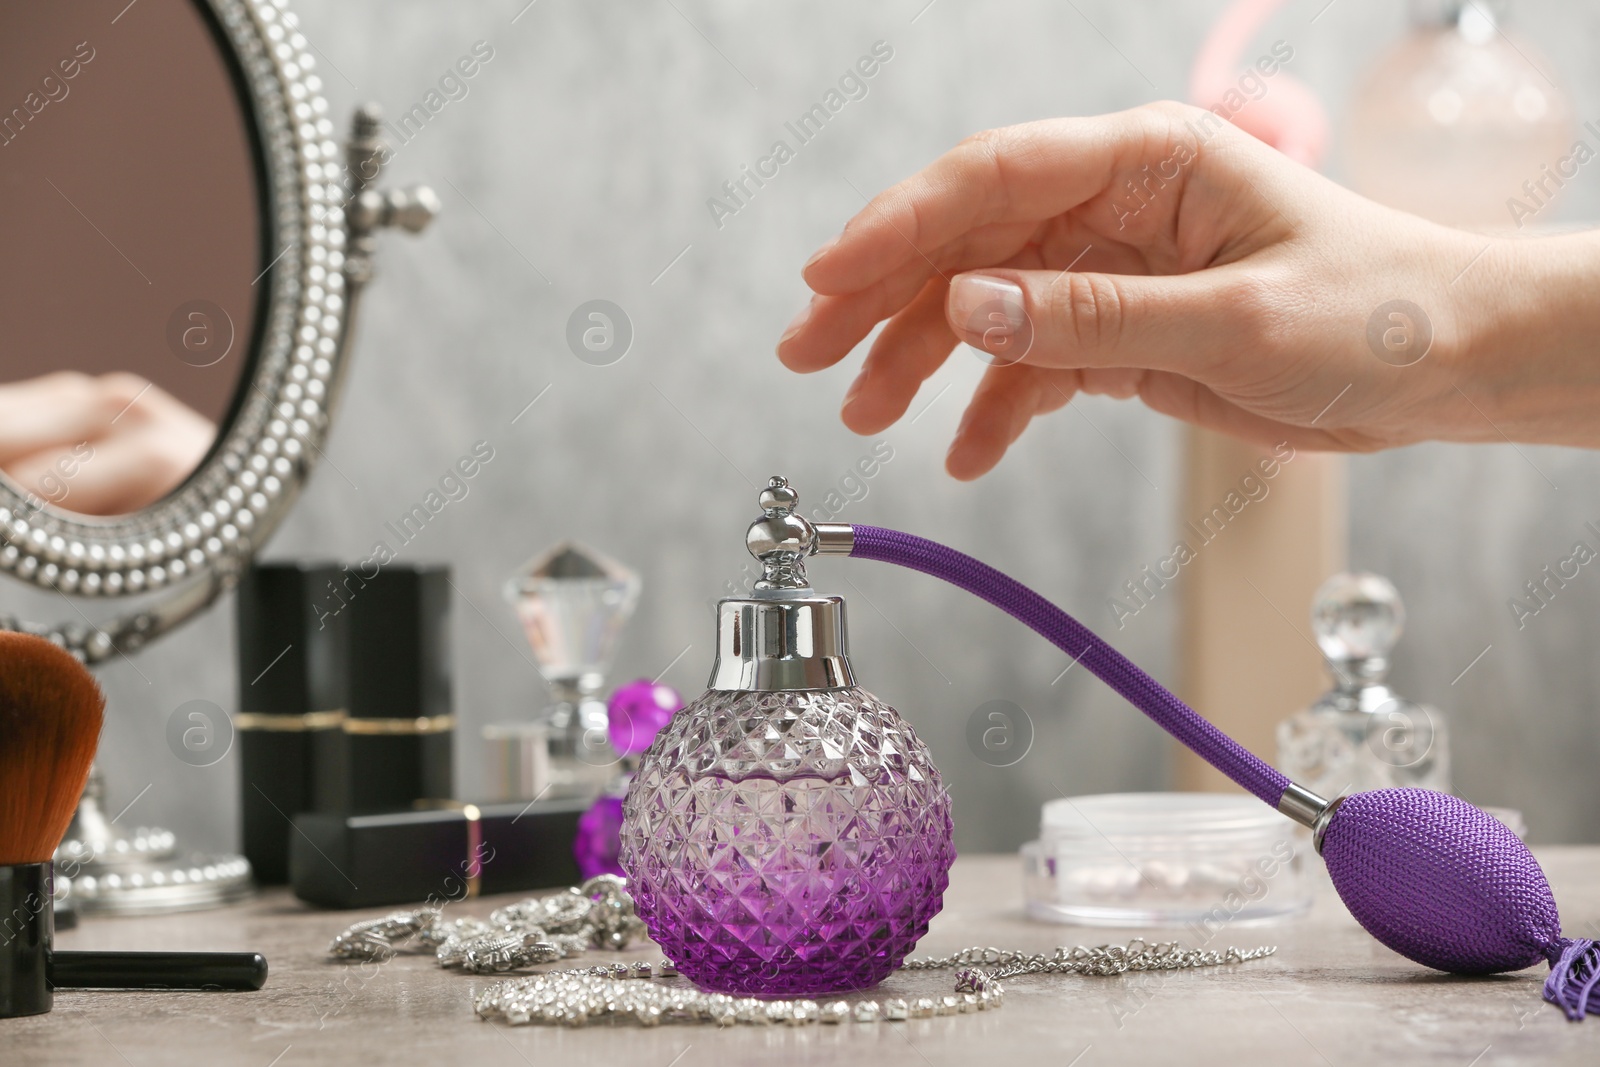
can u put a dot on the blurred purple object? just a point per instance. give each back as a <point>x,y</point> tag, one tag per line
<point>598,840</point>
<point>638,711</point>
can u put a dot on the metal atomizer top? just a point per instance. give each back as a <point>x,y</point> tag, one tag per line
<point>784,635</point>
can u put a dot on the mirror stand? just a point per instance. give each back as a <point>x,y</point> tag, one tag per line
<point>106,870</point>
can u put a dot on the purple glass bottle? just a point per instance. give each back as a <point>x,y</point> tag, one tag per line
<point>787,833</point>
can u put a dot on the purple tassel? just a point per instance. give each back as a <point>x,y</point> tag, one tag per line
<point>1573,977</point>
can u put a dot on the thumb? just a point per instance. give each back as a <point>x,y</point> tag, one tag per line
<point>1179,322</point>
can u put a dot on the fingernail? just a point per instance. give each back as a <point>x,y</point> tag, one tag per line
<point>980,305</point>
<point>798,321</point>
<point>819,253</point>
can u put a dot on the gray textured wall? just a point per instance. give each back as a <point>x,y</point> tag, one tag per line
<point>578,168</point>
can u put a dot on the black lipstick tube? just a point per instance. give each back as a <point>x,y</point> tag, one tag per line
<point>292,678</point>
<point>400,731</point>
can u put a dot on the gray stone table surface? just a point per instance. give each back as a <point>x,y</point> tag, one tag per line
<point>1331,995</point>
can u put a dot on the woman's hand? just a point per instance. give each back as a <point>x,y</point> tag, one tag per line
<point>1162,253</point>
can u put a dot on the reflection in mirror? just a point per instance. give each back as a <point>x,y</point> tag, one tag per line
<point>133,247</point>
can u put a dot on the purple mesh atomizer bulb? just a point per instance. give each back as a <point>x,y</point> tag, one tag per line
<point>786,834</point>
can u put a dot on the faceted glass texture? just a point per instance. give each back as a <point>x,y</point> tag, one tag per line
<point>572,603</point>
<point>787,843</point>
<point>1333,751</point>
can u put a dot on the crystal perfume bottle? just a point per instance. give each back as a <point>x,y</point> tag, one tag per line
<point>787,833</point>
<point>1361,734</point>
<point>572,603</point>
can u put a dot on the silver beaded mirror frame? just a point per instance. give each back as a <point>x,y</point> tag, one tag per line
<point>324,211</point>
<point>182,552</point>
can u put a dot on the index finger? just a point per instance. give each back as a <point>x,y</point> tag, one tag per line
<point>1020,173</point>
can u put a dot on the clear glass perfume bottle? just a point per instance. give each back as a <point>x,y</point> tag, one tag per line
<point>787,833</point>
<point>1462,123</point>
<point>1361,735</point>
<point>573,603</point>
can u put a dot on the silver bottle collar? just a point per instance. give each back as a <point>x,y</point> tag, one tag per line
<point>784,635</point>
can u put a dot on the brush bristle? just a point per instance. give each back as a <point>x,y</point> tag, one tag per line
<point>50,715</point>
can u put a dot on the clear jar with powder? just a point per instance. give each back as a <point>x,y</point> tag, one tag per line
<point>1198,860</point>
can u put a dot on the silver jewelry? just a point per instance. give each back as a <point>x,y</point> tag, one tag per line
<point>377,939</point>
<point>599,914</point>
<point>1136,955</point>
<point>572,998</point>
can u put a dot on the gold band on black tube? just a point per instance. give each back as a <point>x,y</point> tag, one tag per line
<point>292,722</point>
<point>473,868</point>
<point>369,727</point>
<point>474,849</point>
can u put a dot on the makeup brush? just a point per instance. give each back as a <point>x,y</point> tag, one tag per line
<point>51,711</point>
<point>50,715</point>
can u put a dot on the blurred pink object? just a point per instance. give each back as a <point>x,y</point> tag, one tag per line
<point>1462,123</point>
<point>1286,114</point>
<point>637,712</point>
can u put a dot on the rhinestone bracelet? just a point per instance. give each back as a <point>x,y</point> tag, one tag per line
<point>573,998</point>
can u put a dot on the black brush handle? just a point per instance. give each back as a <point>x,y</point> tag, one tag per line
<point>157,970</point>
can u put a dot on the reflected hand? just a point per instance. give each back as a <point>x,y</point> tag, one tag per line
<point>1226,286</point>
<point>98,445</point>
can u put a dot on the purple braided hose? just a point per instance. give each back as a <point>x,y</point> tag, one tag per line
<point>1079,642</point>
<point>1434,878</point>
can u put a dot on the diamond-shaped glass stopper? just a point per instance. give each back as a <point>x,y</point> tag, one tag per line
<point>572,603</point>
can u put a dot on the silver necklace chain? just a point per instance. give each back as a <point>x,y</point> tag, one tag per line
<point>1136,955</point>
<point>599,914</point>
